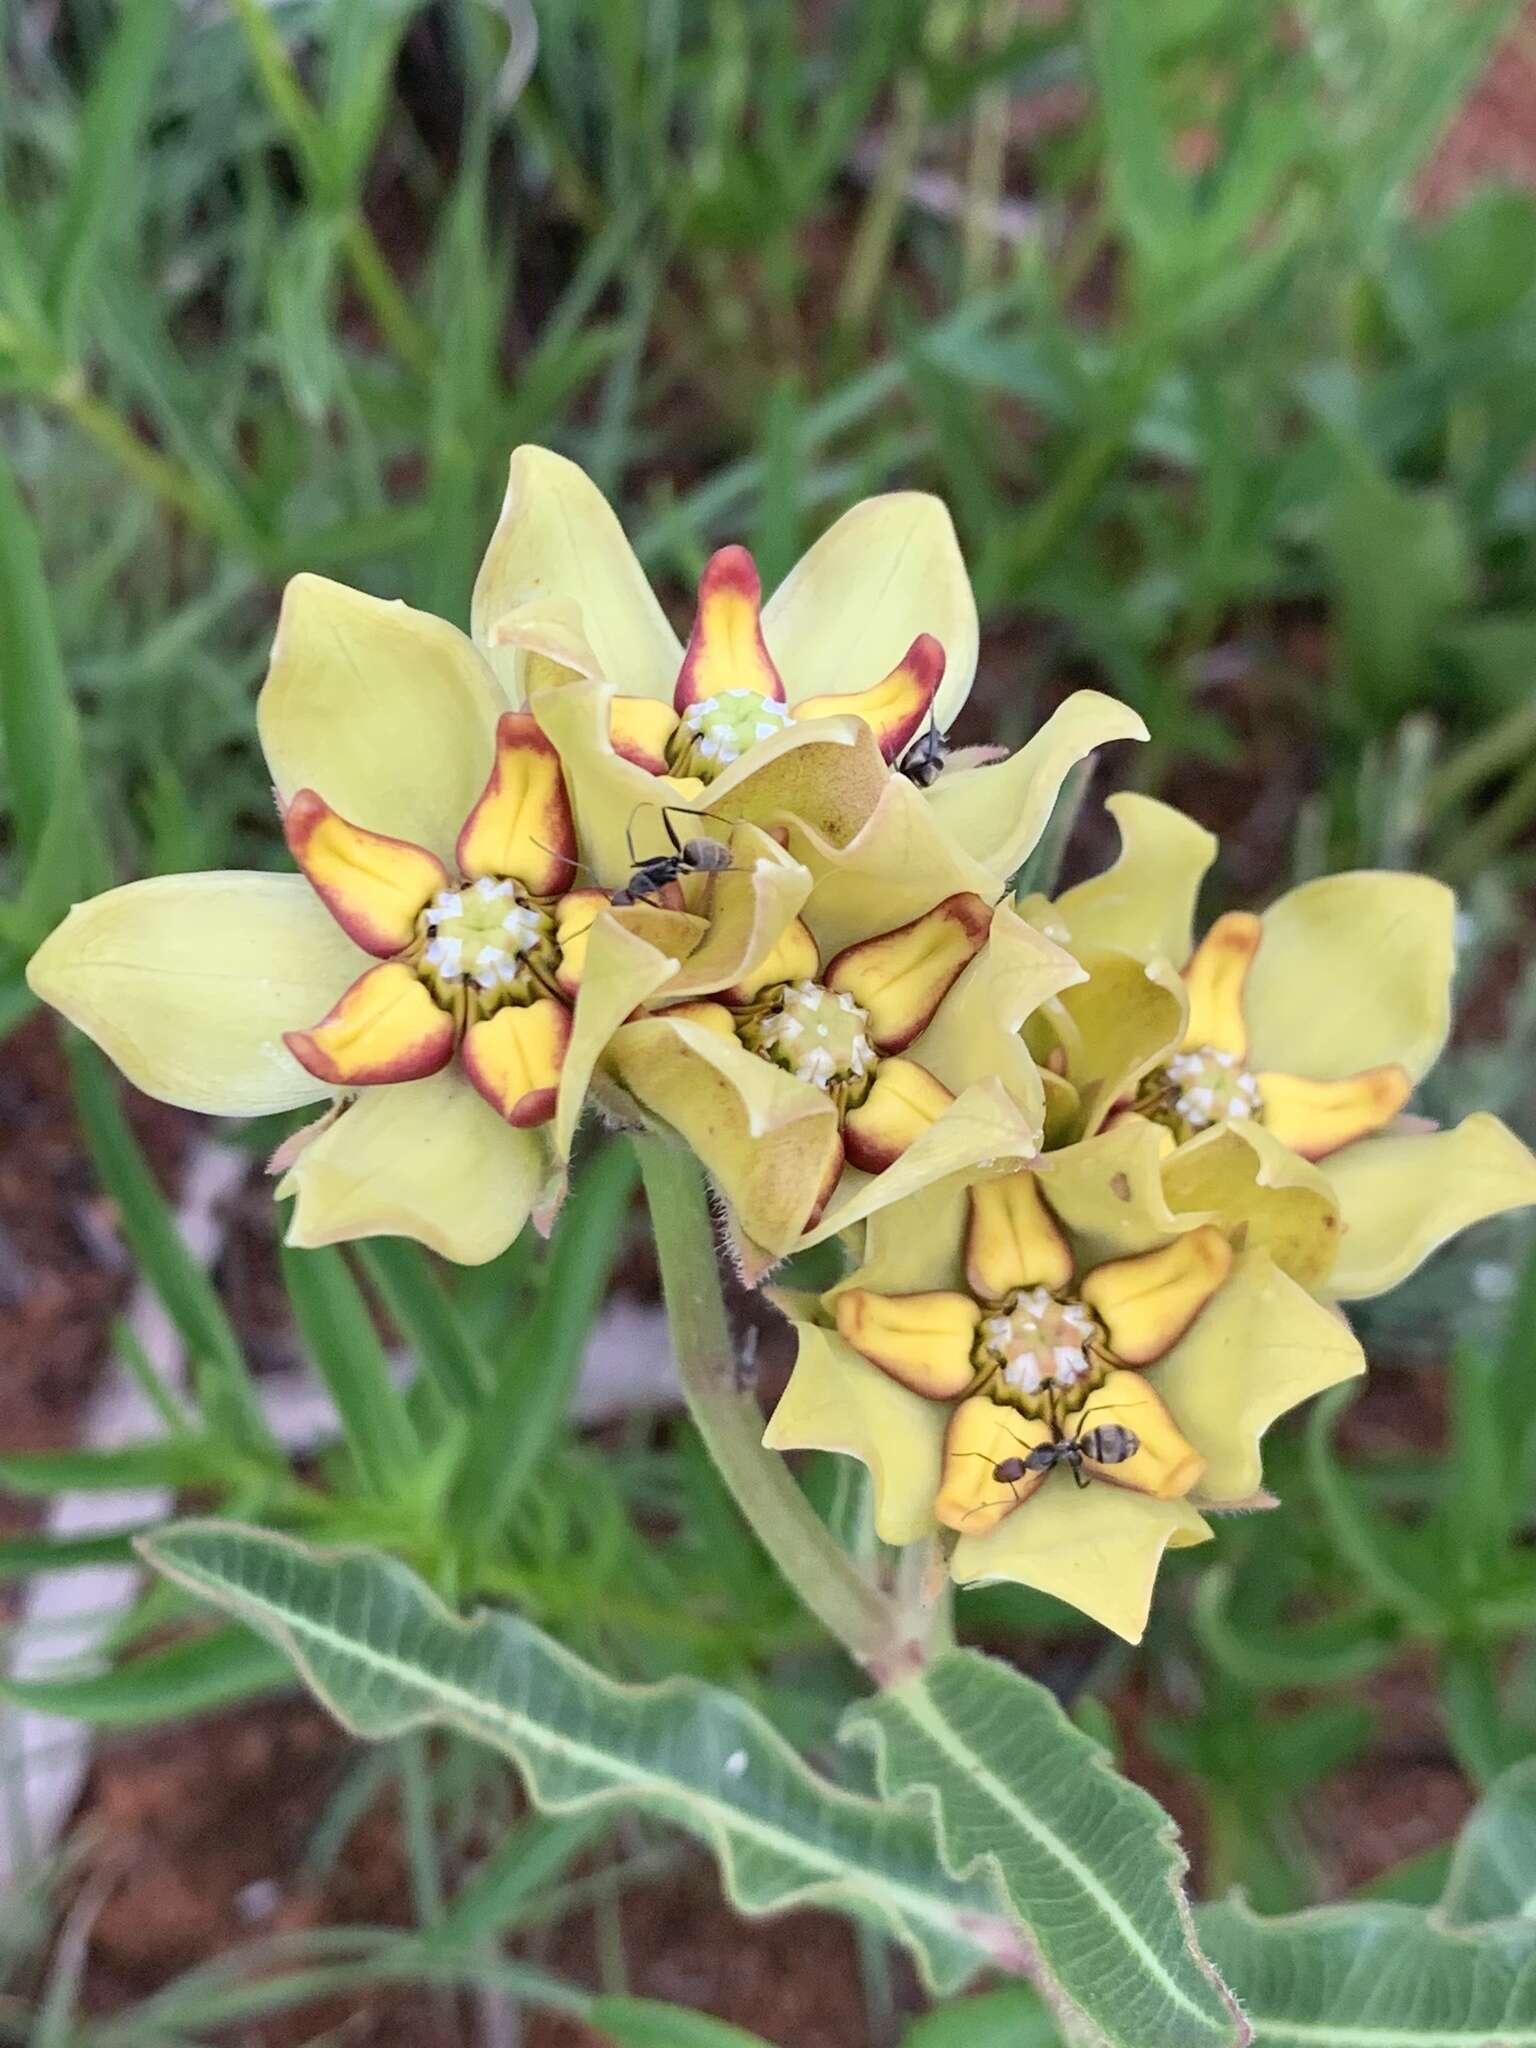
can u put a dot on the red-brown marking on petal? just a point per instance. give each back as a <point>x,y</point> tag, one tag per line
<point>385,1028</point>
<point>521,828</point>
<point>514,1060</point>
<point>726,650</point>
<point>638,731</point>
<point>901,977</point>
<point>894,708</point>
<point>374,886</point>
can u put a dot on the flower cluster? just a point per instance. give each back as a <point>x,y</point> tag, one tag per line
<point>1105,1185</point>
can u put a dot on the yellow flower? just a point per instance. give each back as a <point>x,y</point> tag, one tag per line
<point>790,714</point>
<point>441,971</point>
<point>1302,1035</point>
<point>1061,1369</point>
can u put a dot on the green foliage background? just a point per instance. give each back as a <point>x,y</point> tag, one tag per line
<point>1231,426</point>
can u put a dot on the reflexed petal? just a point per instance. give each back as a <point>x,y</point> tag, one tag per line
<point>1163,1464</point>
<point>915,1246</point>
<point>749,905</point>
<point>547,633</point>
<point>1402,1195</point>
<point>792,957</point>
<point>374,887</point>
<point>622,971</point>
<point>1261,1347</point>
<point>429,1161</point>
<point>895,709</point>
<point>1146,1303</point>
<point>726,650</point>
<point>520,828</point>
<point>1124,1020</point>
<point>190,983</point>
<point>983,1437</point>
<point>1107,1192</point>
<point>386,1028</point>
<point>1315,1118</point>
<point>514,1059</point>
<point>1215,980</point>
<point>846,614</point>
<point>1098,1549</point>
<point>558,537</point>
<point>901,977</point>
<point>904,1101</point>
<point>389,713</point>
<point>997,813</point>
<point>1263,1195</point>
<point>923,1340</point>
<point>639,728</point>
<point>1145,903</point>
<point>767,1138</point>
<point>1012,1240</point>
<point>1354,972</point>
<point>837,1402</point>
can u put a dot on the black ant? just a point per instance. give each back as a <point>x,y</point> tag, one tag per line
<point>1108,1443</point>
<point>688,856</point>
<point>923,762</point>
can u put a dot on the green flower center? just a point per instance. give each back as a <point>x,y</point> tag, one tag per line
<point>1198,1088</point>
<point>818,1036</point>
<point>484,944</point>
<point>717,731</point>
<point>1033,1339</point>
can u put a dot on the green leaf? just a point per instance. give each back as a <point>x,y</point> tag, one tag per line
<point>1089,1862</point>
<point>344,1348</point>
<point>20,1555</point>
<point>428,1317</point>
<point>642,2023</point>
<point>160,1461</point>
<point>1376,1976</point>
<point>1493,1872</point>
<point>995,2019</point>
<point>191,1677</point>
<point>386,1656</point>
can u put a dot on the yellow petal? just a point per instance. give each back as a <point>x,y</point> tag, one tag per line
<point>791,957</point>
<point>384,1029</point>
<point>1263,1195</point>
<point>895,709</point>
<point>389,713</point>
<point>749,905</point>
<point>986,1475</point>
<point>520,829</point>
<point>1401,1195</point>
<point>374,887</point>
<point>916,1245</point>
<point>835,1401</point>
<point>1145,903</point>
<point>558,537</point>
<point>726,650</point>
<point>1123,1021</point>
<point>1107,1192</point>
<point>639,728</point>
<point>1163,1464</point>
<point>1354,972</point>
<point>1262,1346</point>
<point>902,976</point>
<point>996,814</point>
<point>547,633</point>
<point>575,916</point>
<point>429,1161</point>
<point>846,614</point>
<point>1012,1240</point>
<point>1147,1302</point>
<point>514,1059</point>
<point>622,971</point>
<point>1315,1118</point>
<point>904,1101</point>
<point>190,983</point>
<point>1098,1549</point>
<point>768,1139</point>
<point>923,1340</point>
<point>1216,978</point>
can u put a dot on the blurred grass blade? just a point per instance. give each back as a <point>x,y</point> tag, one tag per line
<point>21,1555</point>
<point>345,1350</point>
<point>386,1656</point>
<point>419,1303</point>
<point>147,1221</point>
<point>172,1462</point>
<point>193,1677</point>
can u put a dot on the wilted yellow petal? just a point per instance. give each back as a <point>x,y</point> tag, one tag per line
<point>385,1029</point>
<point>1315,1118</point>
<point>1012,1240</point>
<point>429,1160</point>
<point>1401,1195</point>
<point>1147,1302</point>
<point>1215,980</point>
<point>557,537</point>
<point>1263,1194</point>
<point>923,1340</point>
<point>835,1401</point>
<point>850,609</point>
<point>520,828</point>
<point>1262,1346</point>
<point>986,1449</point>
<point>997,813</point>
<point>1145,903</point>
<point>902,976</point>
<point>389,713</point>
<point>1098,1548</point>
<point>1354,972</point>
<point>189,983</point>
<point>895,709</point>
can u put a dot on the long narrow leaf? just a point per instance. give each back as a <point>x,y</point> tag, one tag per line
<point>345,1350</point>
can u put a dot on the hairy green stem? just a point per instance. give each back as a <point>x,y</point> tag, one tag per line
<point>872,1627</point>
